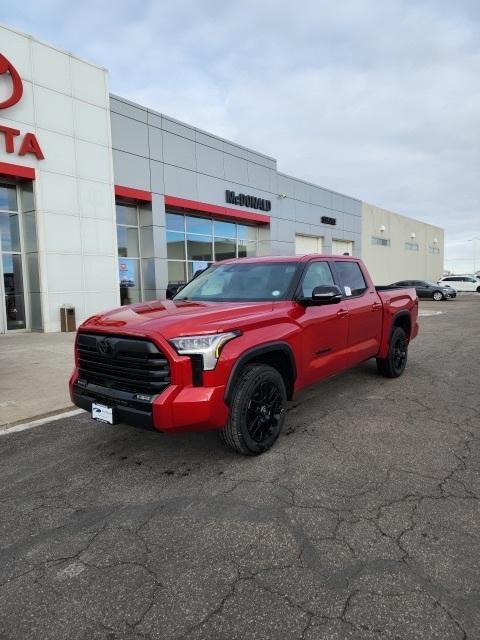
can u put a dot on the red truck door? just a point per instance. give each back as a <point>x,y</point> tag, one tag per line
<point>365,311</point>
<point>324,328</point>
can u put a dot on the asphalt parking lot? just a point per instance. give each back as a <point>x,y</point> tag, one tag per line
<point>362,523</point>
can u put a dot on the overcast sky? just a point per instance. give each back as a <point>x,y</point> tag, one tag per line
<point>378,100</point>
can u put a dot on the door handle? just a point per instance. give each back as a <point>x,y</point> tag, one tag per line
<point>342,313</point>
<point>376,306</point>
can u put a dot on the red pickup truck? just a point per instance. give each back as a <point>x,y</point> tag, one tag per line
<point>236,343</point>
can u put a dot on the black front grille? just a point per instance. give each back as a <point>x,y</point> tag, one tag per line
<point>128,364</point>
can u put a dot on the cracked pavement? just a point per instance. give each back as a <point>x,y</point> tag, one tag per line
<point>362,522</point>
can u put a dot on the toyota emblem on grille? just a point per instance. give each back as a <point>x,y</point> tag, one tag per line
<point>105,347</point>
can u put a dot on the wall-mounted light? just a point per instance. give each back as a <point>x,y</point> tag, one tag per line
<point>435,241</point>
<point>282,196</point>
<point>382,228</point>
<point>412,235</point>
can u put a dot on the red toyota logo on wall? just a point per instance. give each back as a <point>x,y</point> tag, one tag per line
<point>29,143</point>
<point>17,86</point>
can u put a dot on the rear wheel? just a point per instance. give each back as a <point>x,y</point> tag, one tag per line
<point>437,296</point>
<point>394,364</point>
<point>478,289</point>
<point>257,410</point>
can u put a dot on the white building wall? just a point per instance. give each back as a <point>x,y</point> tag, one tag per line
<point>65,104</point>
<point>395,262</point>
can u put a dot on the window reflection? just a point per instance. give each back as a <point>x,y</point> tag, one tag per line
<point>9,231</point>
<point>8,197</point>
<point>199,225</point>
<point>128,253</point>
<point>199,248</point>
<point>194,242</point>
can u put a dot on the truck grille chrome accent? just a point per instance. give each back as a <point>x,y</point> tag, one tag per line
<point>128,364</point>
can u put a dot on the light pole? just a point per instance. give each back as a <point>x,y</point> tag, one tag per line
<point>474,240</point>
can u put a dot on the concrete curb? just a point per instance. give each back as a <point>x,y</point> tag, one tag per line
<point>41,418</point>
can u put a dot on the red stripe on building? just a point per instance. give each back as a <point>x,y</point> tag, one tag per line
<point>17,171</point>
<point>133,194</point>
<point>216,210</point>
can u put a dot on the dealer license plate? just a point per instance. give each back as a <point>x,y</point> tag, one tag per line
<point>102,413</point>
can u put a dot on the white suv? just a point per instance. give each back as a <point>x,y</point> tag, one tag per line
<point>461,283</point>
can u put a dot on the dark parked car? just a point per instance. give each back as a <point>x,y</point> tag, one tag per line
<point>427,289</point>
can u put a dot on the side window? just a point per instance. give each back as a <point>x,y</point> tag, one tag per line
<point>317,274</point>
<point>351,278</point>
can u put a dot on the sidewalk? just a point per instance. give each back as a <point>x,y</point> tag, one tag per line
<point>34,372</point>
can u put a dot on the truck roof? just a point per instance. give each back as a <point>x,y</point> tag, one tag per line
<point>300,258</point>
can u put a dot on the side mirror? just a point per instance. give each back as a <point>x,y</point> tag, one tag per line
<point>325,294</point>
<point>330,294</point>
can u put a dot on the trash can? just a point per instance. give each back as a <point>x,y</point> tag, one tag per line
<point>67,318</point>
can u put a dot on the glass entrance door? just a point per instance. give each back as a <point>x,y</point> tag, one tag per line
<point>12,311</point>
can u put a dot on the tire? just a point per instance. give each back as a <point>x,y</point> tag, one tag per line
<point>394,364</point>
<point>437,296</point>
<point>257,410</point>
<point>478,289</point>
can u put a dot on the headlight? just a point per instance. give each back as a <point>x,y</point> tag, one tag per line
<point>209,346</point>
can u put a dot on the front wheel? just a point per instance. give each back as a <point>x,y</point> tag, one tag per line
<point>478,289</point>
<point>394,364</point>
<point>437,296</point>
<point>257,410</point>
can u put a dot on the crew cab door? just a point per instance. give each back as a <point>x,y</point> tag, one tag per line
<point>324,327</point>
<point>365,311</point>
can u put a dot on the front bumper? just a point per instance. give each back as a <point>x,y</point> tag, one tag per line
<point>177,408</point>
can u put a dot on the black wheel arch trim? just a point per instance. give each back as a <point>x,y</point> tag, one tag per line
<point>250,354</point>
<point>397,316</point>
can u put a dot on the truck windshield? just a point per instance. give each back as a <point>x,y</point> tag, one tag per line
<point>236,282</point>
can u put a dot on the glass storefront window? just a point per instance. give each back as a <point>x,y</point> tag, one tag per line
<point>194,242</point>
<point>199,248</point>
<point>128,253</point>
<point>9,231</point>
<point>175,222</point>
<point>8,197</point>
<point>176,272</point>
<point>30,232</point>
<point>201,226</point>
<point>127,214</point>
<point>175,245</point>
<point>130,286</point>
<point>13,289</point>
<point>247,233</point>
<point>225,229</point>
<point>225,248</point>
<point>247,249</point>
<point>127,238</point>
<point>26,197</point>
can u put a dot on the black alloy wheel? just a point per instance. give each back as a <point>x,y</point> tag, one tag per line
<point>400,353</point>
<point>257,410</point>
<point>394,364</point>
<point>264,411</point>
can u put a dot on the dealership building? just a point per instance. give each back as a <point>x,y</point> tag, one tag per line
<point>105,202</point>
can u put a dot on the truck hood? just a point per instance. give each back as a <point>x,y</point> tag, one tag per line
<point>171,319</point>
